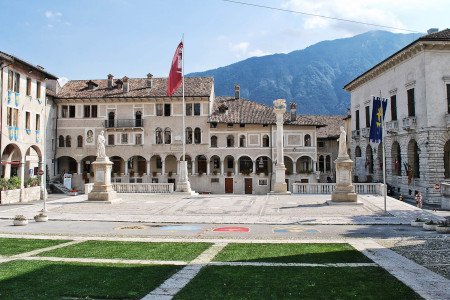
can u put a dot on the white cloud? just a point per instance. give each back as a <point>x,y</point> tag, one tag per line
<point>242,50</point>
<point>258,52</point>
<point>49,14</point>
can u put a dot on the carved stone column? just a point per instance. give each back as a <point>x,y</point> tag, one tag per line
<point>280,186</point>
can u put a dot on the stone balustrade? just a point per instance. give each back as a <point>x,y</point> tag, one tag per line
<point>151,188</point>
<point>328,188</point>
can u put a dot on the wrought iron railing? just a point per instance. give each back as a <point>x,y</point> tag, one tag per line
<point>121,123</point>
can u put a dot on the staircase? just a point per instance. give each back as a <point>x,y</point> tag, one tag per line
<point>60,187</point>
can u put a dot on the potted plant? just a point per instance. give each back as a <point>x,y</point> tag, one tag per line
<point>443,227</point>
<point>72,192</point>
<point>418,222</point>
<point>20,220</point>
<point>430,225</point>
<point>41,217</point>
<point>214,172</point>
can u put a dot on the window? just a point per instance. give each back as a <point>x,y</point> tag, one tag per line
<point>394,107</point>
<point>214,180</point>
<point>27,120</point>
<point>189,135</point>
<point>262,182</point>
<point>230,125</point>
<point>196,109</point>
<point>158,136</point>
<point>321,163</point>
<point>321,144</point>
<point>138,139</point>
<point>38,89</point>
<point>241,125</point>
<point>167,110</point>
<point>138,118</point>
<point>17,82</point>
<point>68,111</point>
<point>90,111</point>
<point>68,141</point>
<point>124,138</point>
<point>61,141</point>
<point>28,86</point>
<point>159,109</point>
<point>111,139</point>
<point>411,104</point>
<point>79,141</point>
<point>71,111</point>
<point>448,98</point>
<point>167,136</point>
<point>38,122</point>
<point>307,140</point>
<point>214,141</point>
<point>242,141</point>
<point>265,141</point>
<point>197,136</point>
<point>367,116</point>
<point>328,163</point>
<point>10,80</point>
<point>230,163</point>
<point>357,119</point>
<point>213,125</point>
<point>230,141</point>
<point>188,109</point>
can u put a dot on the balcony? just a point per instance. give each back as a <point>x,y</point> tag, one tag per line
<point>409,123</point>
<point>391,127</point>
<point>124,123</point>
<point>365,132</point>
<point>355,134</point>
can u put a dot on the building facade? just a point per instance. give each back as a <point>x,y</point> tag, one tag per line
<point>416,82</point>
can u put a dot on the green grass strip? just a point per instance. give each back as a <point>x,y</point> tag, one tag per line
<point>229,282</point>
<point>13,246</point>
<point>55,280</point>
<point>292,253</point>
<point>131,250</point>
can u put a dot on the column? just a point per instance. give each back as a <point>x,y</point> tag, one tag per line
<point>208,166</point>
<point>236,167</point>
<point>79,167</point>
<point>193,167</point>
<point>280,185</point>
<point>313,166</point>
<point>163,167</point>
<point>126,168</point>
<point>222,162</point>
<point>254,166</point>
<point>178,167</point>
<point>22,179</point>
<point>148,168</point>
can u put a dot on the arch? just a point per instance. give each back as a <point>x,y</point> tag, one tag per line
<point>79,141</point>
<point>214,141</point>
<point>289,164</point>
<point>328,163</point>
<point>447,160</point>
<point>158,136</point>
<point>197,136</point>
<point>66,164</point>
<point>242,141</point>
<point>61,141</point>
<point>304,164</point>
<point>245,165</point>
<point>214,164</point>
<point>263,165</point>
<point>396,159</point>
<point>413,159</point>
<point>33,161</point>
<point>307,140</point>
<point>167,136</point>
<point>189,162</point>
<point>321,164</point>
<point>228,165</point>
<point>230,141</point>
<point>137,165</point>
<point>68,141</point>
<point>156,164</point>
<point>12,157</point>
<point>201,164</point>
<point>86,164</point>
<point>369,159</point>
<point>357,151</point>
<point>188,135</point>
<point>118,167</point>
<point>266,141</point>
<point>171,165</point>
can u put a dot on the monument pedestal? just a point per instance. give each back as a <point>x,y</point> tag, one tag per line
<point>345,191</point>
<point>183,185</point>
<point>102,190</point>
<point>280,186</point>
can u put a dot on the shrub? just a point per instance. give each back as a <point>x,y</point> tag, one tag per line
<point>20,217</point>
<point>430,222</point>
<point>444,223</point>
<point>13,183</point>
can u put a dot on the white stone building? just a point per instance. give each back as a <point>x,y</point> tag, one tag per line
<point>416,82</point>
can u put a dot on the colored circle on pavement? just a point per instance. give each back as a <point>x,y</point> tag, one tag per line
<point>180,228</point>
<point>294,229</point>
<point>232,229</point>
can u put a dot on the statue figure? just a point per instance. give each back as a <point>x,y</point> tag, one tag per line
<point>279,104</point>
<point>342,143</point>
<point>101,145</point>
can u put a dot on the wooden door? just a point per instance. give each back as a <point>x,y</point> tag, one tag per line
<point>228,185</point>
<point>248,185</point>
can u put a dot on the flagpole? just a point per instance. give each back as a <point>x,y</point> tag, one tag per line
<point>184,105</point>
<point>384,153</point>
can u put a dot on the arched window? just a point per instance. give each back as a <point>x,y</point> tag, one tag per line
<point>321,163</point>
<point>230,141</point>
<point>242,141</point>
<point>328,163</point>
<point>158,136</point>
<point>188,135</point>
<point>265,141</point>
<point>167,136</point>
<point>197,136</point>
<point>369,160</point>
<point>61,141</point>
<point>213,141</point>
<point>79,141</point>
<point>138,118</point>
<point>68,141</point>
<point>111,116</point>
<point>357,151</point>
<point>307,140</point>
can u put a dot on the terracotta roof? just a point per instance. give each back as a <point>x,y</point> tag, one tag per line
<point>332,128</point>
<point>243,111</point>
<point>11,58</point>
<point>50,93</point>
<point>443,35</point>
<point>194,87</point>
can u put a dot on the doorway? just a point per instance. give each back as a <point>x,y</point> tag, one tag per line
<point>248,184</point>
<point>228,185</point>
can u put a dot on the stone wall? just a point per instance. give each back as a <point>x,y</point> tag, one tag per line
<point>13,196</point>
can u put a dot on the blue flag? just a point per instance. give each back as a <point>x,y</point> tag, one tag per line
<point>376,129</point>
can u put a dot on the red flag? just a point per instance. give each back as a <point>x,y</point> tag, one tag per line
<point>175,75</point>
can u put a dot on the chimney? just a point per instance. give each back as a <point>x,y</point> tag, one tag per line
<point>110,81</point>
<point>126,84</point>
<point>237,91</point>
<point>293,109</point>
<point>149,80</point>
<point>432,30</point>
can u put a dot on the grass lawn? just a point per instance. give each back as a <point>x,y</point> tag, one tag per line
<point>131,250</point>
<point>227,282</point>
<point>292,253</point>
<point>52,280</point>
<point>12,246</point>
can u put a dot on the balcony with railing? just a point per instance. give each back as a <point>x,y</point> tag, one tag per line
<point>124,123</point>
<point>355,134</point>
<point>365,132</point>
<point>409,123</point>
<point>391,127</point>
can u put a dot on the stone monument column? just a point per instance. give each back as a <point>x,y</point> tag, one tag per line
<point>183,185</point>
<point>345,191</point>
<point>280,186</point>
<point>102,190</point>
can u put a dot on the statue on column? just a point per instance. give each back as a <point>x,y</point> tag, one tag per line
<point>342,143</point>
<point>101,145</point>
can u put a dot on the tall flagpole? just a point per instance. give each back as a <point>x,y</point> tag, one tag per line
<point>384,153</point>
<point>184,105</point>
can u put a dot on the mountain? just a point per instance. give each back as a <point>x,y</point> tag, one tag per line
<point>313,77</point>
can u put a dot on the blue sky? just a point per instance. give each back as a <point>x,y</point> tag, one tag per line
<point>91,38</point>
